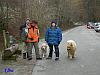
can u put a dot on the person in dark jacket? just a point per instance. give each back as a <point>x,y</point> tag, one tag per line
<point>23,36</point>
<point>25,24</point>
<point>53,37</point>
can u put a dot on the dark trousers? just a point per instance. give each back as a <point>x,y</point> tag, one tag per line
<point>56,50</point>
<point>29,49</point>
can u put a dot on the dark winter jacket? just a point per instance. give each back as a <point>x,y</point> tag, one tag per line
<point>53,36</point>
<point>23,34</point>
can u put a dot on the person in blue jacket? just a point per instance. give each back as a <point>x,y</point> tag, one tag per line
<point>53,37</point>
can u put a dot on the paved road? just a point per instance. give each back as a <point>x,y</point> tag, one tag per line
<point>87,61</point>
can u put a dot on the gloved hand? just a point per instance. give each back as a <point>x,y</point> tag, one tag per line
<point>31,38</point>
<point>58,42</point>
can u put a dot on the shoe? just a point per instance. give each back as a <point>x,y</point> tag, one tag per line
<point>29,58</point>
<point>57,58</point>
<point>39,58</point>
<point>49,58</point>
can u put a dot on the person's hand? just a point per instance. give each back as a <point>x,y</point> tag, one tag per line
<point>31,38</point>
<point>58,42</point>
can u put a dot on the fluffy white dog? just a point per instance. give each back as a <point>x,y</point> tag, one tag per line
<point>71,48</point>
<point>43,50</point>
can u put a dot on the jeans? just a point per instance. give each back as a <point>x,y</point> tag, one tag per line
<point>56,50</point>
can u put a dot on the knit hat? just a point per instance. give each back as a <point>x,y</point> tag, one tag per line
<point>54,22</point>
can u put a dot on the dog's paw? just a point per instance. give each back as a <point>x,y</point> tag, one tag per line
<point>73,57</point>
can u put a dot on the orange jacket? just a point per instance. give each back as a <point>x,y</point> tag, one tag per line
<point>33,34</point>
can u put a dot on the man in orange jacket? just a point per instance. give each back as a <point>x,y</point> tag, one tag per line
<point>33,39</point>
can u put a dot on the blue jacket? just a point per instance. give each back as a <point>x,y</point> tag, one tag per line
<point>53,36</point>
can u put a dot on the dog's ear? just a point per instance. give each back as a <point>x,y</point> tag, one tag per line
<point>71,44</point>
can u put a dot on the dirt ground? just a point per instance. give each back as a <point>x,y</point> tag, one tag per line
<point>20,66</point>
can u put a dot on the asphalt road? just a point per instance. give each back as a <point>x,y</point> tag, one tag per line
<point>87,61</point>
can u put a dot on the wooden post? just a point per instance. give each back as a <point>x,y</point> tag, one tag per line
<point>5,40</point>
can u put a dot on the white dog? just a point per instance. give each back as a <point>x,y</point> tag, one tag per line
<point>43,50</point>
<point>71,48</point>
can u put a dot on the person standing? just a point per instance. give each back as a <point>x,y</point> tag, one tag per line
<point>23,34</point>
<point>33,39</point>
<point>24,25</point>
<point>53,37</point>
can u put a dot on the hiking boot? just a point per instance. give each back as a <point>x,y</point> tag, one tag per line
<point>27,55</point>
<point>39,58</point>
<point>49,58</point>
<point>57,58</point>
